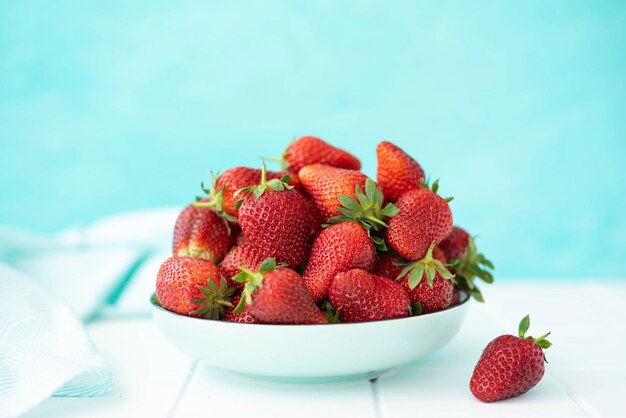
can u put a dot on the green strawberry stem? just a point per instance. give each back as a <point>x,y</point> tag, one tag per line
<point>252,282</point>
<point>257,191</point>
<point>540,341</point>
<point>216,199</point>
<point>434,187</point>
<point>367,209</point>
<point>284,165</point>
<point>470,266</point>
<point>263,174</point>
<point>376,220</point>
<point>427,265</point>
<point>215,300</point>
<point>282,160</point>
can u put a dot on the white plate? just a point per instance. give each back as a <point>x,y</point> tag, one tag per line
<point>311,353</point>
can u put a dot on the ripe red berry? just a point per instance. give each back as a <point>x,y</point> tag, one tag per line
<point>509,366</point>
<point>277,296</point>
<point>424,218</point>
<point>309,150</point>
<point>336,249</point>
<point>325,183</point>
<point>428,294</point>
<point>361,296</point>
<point>397,172</point>
<point>193,286</point>
<point>243,316</point>
<point>200,232</point>
<point>466,262</point>
<point>274,218</point>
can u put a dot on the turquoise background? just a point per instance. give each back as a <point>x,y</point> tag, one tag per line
<point>519,108</point>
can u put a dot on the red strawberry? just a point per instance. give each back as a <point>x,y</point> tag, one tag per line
<point>360,296</point>
<point>193,286</point>
<point>397,172</point>
<point>277,296</point>
<point>243,316</point>
<point>200,232</point>
<point>427,295</point>
<point>509,365</point>
<point>455,243</point>
<point>309,150</point>
<point>424,218</point>
<point>336,249</point>
<point>275,219</point>
<point>222,194</point>
<point>456,297</point>
<point>315,218</point>
<point>325,183</point>
<point>388,265</point>
<point>246,256</point>
<point>240,239</point>
<point>466,262</point>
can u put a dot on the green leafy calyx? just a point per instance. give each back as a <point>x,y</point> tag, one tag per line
<point>252,282</point>
<point>367,209</point>
<point>257,191</point>
<point>433,188</point>
<point>215,200</point>
<point>214,299</point>
<point>416,309</point>
<point>427,266</point>
<point>332,315</point>
<point>470,266</point>
<point>540,341</point>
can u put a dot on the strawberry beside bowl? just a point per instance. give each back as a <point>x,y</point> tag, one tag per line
<point>311,353</point>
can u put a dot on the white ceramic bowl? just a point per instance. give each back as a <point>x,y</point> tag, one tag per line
<point>311,353</point>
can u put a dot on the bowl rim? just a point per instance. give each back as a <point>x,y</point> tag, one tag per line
<point>464,298</point>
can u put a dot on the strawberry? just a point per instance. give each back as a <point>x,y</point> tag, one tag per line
<point>361,296</point>
<point>222,193</point>
<point>466,262</point>
<point>336,249</point>
<point>315,218</point>
<point>509,366</point>
<point>424,218</point>
<point>243,316</point>
<point>274,218</point>
<point>428,294</point>
<point>397,172</point>
<point>200,232</point>
<point>277,296</point>
<point>240,239</point>
<point>367,210</point>
<point>309,150</point>
<point>193,286</point>
<point>456,297</point>
<point>454,245</point>
<point>246,256</point>
<point>388,265</point>
<point>325,183</point>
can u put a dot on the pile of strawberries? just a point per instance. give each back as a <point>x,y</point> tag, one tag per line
<point>320,242</point>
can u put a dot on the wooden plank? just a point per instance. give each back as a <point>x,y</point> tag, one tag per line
<point>217,393</point>
<point>438,384</point>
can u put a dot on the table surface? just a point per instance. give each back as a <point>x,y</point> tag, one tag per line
<point>585,377</point>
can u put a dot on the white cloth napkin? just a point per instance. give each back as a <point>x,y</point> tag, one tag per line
<point>44,348</point>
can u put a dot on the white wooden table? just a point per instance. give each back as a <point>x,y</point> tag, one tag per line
<point>586,374</point>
